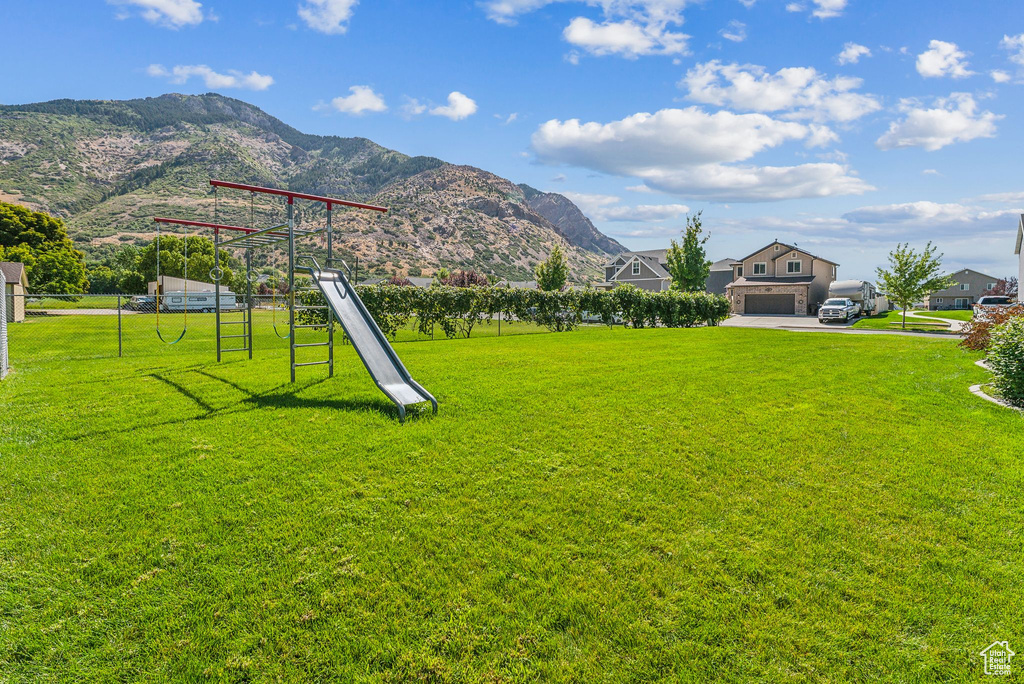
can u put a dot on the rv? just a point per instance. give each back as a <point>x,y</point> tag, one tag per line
<point>199,302</point>
<point>861,292</point>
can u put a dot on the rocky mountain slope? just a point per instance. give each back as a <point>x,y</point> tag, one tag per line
<point>108,167</point>
<point>570,221</point>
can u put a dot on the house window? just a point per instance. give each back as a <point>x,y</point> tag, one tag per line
<point>776,248</point>
<point>990,286</point>
<point>739,271</point>
<point>834,271</point>
<point>760,268</point>
<point>938,300</point>
<point>965,287</point>
<point>793,255</point>
<point>793,267</point>
<point>636,268</point>
<point>962,303</point>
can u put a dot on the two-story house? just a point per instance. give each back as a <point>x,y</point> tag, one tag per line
<point>969,286</point>
<point>780,279</point>
<point>648,270</point>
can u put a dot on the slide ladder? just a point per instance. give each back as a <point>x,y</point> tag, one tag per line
<point>329,362</point>
<point>376,353</point>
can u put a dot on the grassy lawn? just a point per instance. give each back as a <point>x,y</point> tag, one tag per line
<point>888,321</point>
<point>954,315</point>
<point>604,505</point>
<point>86,302</point>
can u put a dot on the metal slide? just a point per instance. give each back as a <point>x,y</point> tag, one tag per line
<point>373,347</point>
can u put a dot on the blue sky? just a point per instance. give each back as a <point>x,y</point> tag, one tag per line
<point>845,126</point>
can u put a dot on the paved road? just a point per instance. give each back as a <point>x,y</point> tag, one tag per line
<point>811,324</point>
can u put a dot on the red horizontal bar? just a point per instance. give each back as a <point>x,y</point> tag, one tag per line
<point>295,195</point>
<point>216,226</point>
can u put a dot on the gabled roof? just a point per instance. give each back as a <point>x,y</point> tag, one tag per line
<point>772,280</point>
<point>723,265</point>
<point>14,272</point>
<point>786,249</point>
<point>648,261</point>
<point>971,270</point>
<point>1020,235</point>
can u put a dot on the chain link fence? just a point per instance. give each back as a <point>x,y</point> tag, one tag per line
<point>57,328</point>
<point>3,326</point>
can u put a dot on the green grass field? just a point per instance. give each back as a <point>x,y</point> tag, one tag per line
<point>953,315</point>
<point>892,320</point>
<point>602,505</point>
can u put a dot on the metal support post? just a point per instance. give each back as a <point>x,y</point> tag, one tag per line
<point>119,344</point>
<point>291,282</point>
<point>216,283</point>
<point>248,297</point>
<point>330,312</point>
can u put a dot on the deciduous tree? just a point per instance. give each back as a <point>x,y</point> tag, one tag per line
<point>912,276</point>
<point>688,264</point>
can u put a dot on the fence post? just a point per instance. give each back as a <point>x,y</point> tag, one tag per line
<point>120,347</point>
<point>3,325</point>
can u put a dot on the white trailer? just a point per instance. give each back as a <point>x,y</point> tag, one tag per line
<point>174,302</point>
<point>861,292</point>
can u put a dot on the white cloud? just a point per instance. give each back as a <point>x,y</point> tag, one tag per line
<point>931,172</point>
<point>1004,197</point>
<point>826,9</point>
<point>736,31</point>
<point>748,3</point>
<point>412,107</point>
<point>608,208</point>
<point>212,79</point>
<point>639,188</point>
<point>459,107</point>
<point>909,211</point>
<point>170,13</point>
<point>693,153</point>
<point>624,38</point>
<point>1015,44</point>
<point>1000,76</point>
<point>506,120</point>
<point>327,16</point>
<point>800,91</point>
<point>943,59</point>
<point>630,28</point>
<point>953,119</point>
<point>852,52</point>
<point>363,99</point>
<point>823,9</point>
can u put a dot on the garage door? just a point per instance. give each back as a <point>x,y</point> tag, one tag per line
<point>770,304</point>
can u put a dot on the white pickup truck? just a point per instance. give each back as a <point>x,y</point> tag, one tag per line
<point>838,309</point>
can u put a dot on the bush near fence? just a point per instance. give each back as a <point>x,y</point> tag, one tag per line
<point>1006,359</point>
<point>457,310</point>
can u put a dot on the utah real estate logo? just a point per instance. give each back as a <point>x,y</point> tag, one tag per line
<point>997,657</point>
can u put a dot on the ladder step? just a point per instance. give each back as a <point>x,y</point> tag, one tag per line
<point>233,322</point>
<point>312,363</point>
<point>231,337</point>
<point>235,350</point>
<point>315,344</point>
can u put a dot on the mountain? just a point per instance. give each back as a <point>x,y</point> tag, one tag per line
<point>570,221</point>
<point>108,167</point>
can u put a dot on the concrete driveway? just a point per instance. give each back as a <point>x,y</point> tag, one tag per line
<point>783,322</point>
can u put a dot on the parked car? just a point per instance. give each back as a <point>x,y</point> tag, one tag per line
<point>990,303</point>
<point>838,309</point>
<point>141,303</point>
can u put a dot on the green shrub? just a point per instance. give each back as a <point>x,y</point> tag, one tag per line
<point>457,310</point>
<point>1006,358</point>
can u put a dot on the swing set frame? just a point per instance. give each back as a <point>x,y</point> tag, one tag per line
<point>252,238</point>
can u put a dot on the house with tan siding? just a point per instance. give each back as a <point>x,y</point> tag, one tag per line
<point>970,285</point>
<point>780,279</point>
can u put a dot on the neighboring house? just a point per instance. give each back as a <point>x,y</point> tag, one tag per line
<point>780,279</point>
<point>644,269</point>
<point>648,270</point>
<point>15,290</point>
<point>171,284</point>
<point>1020,253</point>
<point>720,276</point>
<point>970,285</point>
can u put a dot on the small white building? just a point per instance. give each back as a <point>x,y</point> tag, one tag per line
<point>171,284</point>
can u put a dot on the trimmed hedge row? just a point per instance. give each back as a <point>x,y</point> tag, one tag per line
<point>457,310</point>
